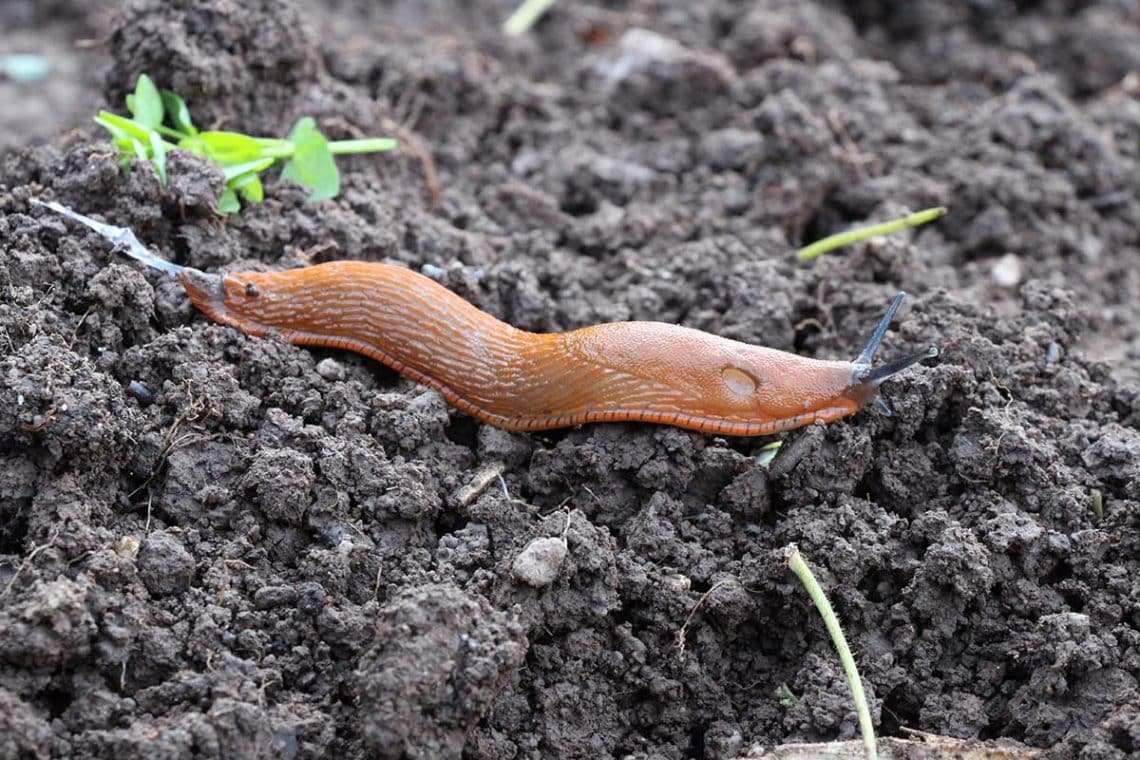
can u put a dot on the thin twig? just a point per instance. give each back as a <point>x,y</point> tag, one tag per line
<point>28,561</point>
<point>681,634</point>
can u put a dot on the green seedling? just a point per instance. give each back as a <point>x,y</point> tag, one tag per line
<point>785,697</point>
<point>525,16</point>
<point>831,242</point>
<point>1096,502</point>
<point>796,564</point>
<point>768,454</point>
<point>160,122</point>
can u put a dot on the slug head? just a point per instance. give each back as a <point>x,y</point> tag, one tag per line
<point>230,299</point>
<point>791,391</point>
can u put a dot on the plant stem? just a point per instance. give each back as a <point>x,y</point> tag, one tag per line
<point>285,150</point>
<point>370,145</point>
<point>525,16</point>
<point>166,131</point>
<point>797,565</point>
<point>831,242</point>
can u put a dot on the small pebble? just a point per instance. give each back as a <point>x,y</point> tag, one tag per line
<point>140,392</point>
<point>538,564</point>
<point>128,547</point>
<point>268,597</point>
<point>1008,271</point>
<point>25,67</point>
<point>330,369</point>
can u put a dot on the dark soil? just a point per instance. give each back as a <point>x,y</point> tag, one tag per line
<point>216,545</point>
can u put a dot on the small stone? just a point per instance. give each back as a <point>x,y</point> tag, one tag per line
<point>732,148</point>
<point>166,568</point>
<point>538,564</point>
<point>128,547</point>
<point>658,73</point>
<point>1008,271</point>
<point>268,597</point>
<point>330,369</point>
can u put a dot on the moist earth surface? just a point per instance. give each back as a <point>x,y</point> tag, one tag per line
<point>218,545</point>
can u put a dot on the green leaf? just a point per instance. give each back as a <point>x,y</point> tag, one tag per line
<point>249,185</point>
<point>126,127</point>
<point>237,170</point>
<point>117,134</point>
<point>146,104</point>
<point>177,113</point>
<point>226,148</point>
<point>228,203</point>
<point>312,165</point>
<point>158,151</point>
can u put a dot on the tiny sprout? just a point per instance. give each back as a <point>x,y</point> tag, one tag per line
<point>796,564</point>
<point>768,454</point>
<point>161,122</point>
<point>525,16</point>
<point>785,697</point>
<point>831,242</point>
<point>1096,502</point>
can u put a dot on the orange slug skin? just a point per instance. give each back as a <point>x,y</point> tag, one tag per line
<point>510,378</point>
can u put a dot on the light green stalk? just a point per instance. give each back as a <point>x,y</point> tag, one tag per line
<point>831,242</point>
<point>797,565</point>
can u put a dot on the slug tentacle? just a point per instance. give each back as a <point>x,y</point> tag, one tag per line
<point>122,238</point>
<point>867,378</point>
<point>876,375</point>
<point>868,354</point>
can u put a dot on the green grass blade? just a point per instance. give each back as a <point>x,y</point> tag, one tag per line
<point>841,239</point>
<point>525,17</point>
<point>797,565</point>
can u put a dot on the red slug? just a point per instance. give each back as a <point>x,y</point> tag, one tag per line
<point>510,378</point>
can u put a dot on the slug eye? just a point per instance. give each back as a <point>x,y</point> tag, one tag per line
<point>739,381</point>
<point>251,290</point>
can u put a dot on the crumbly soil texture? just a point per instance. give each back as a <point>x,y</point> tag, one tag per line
<point>214,545</point>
